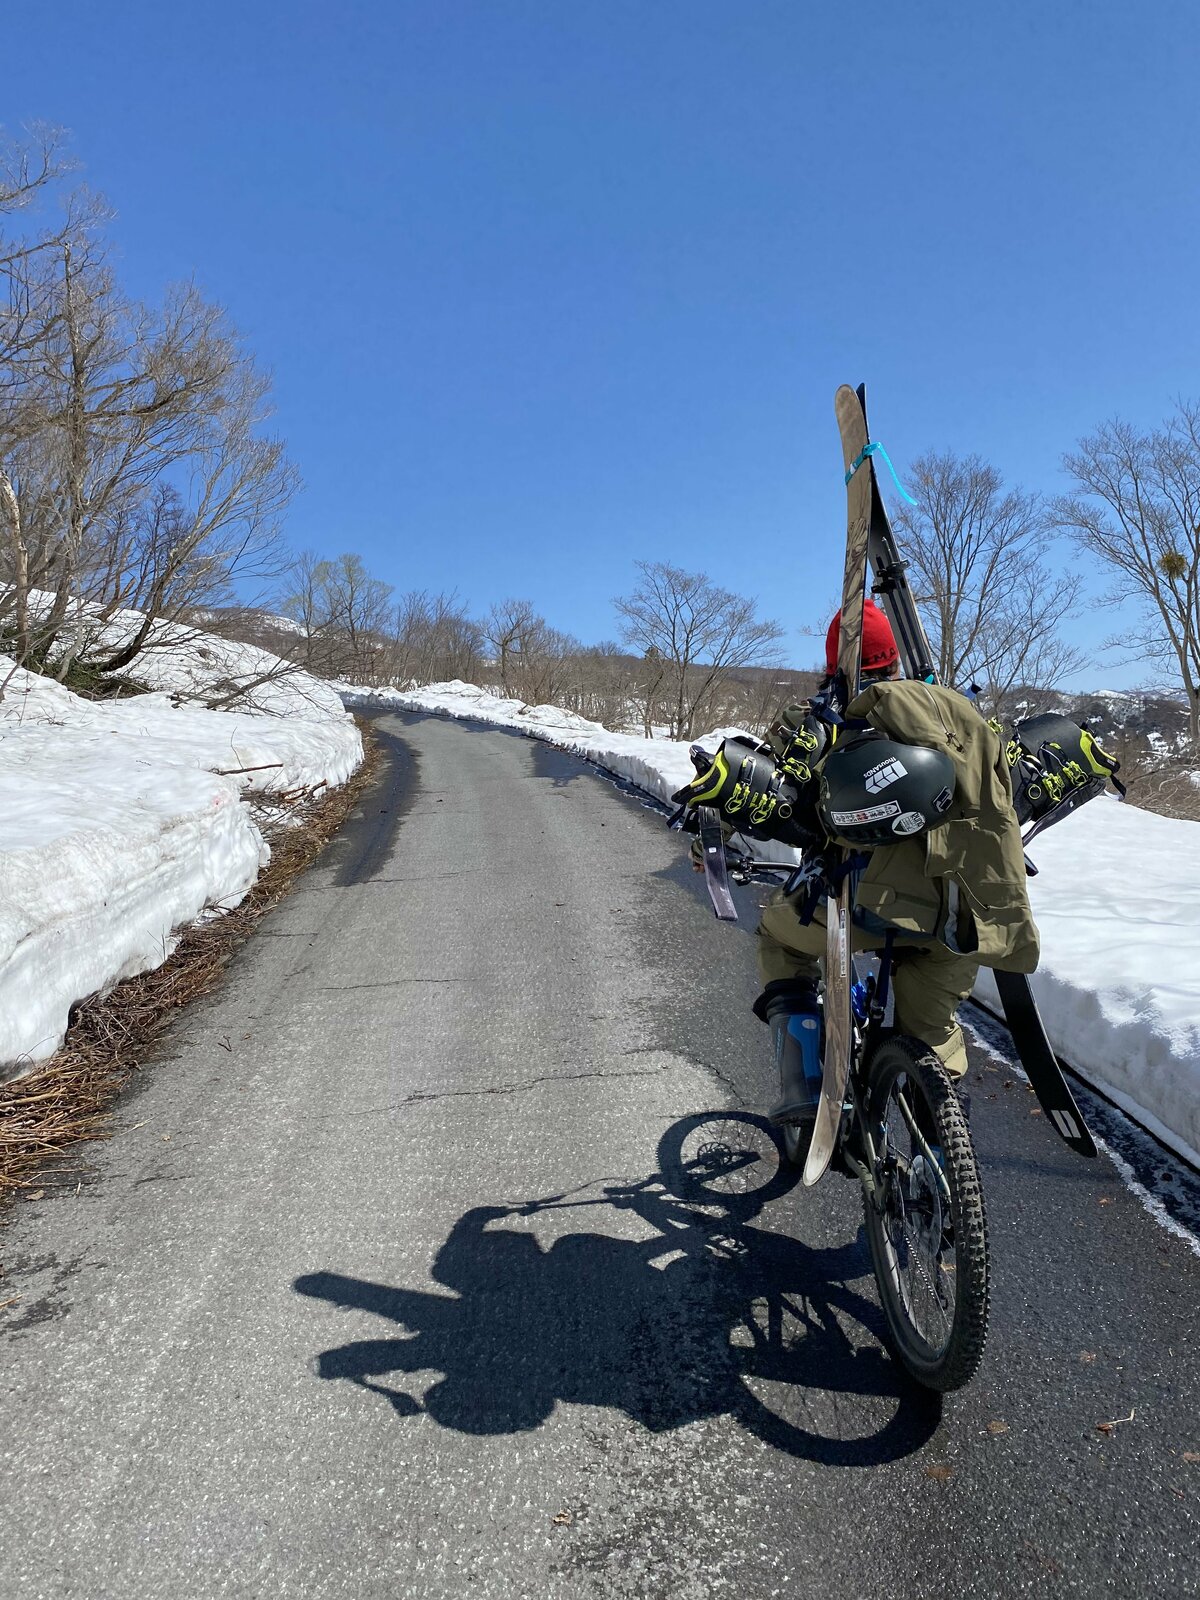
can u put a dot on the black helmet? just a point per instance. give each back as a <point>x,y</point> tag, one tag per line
<point>875,791</point>
<point>743,783</point>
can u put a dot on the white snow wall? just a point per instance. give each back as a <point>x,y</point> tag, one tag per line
<point>122,821</point>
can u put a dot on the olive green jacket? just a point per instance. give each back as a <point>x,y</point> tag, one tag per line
<point>963,882</point>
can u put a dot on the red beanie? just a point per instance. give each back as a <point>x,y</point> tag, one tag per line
<point>878,641</point>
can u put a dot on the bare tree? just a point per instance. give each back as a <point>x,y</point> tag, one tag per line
<point>511,628</point>
<point>434,639</point>
<point>598,683</point>
<point>132,446</point>
<point>27,170</point>
<point>547,664</point>
<point>1137,510</point>
<point>752,698</point>
<point>652,685</point>
<point>169,489</point>
<point>30,171</point>
<point>978,562</point>
<point>701,632</point>
<point>345,614</point>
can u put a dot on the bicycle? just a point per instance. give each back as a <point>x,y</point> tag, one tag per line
<point>904,1136</point>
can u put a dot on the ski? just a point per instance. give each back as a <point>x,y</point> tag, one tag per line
<point>1040,1063</point>
<point>716,868</point>
<point>890,583</point>
<point>861,494</point>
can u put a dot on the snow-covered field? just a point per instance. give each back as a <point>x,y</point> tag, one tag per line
<point>121,820</point>
<point>1117,900</point>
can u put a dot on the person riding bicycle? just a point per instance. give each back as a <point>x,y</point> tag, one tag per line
<point>952,896</point>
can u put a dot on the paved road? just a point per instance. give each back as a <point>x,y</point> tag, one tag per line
<point>305,1334</point>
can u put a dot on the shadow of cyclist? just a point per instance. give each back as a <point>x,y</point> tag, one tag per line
<point>707,1317</point>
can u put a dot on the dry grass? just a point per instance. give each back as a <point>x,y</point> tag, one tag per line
<point>45,1116</point>
<point>1166,790</point>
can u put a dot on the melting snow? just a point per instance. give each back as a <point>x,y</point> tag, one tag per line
<point>121,820</point>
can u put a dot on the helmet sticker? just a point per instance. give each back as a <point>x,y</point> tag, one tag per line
<point>858,819</point>
<point>884,775</point>
<point>941,802</point>
<point>910,822</point>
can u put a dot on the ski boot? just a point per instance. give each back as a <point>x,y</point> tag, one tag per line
<point>793,1012</point>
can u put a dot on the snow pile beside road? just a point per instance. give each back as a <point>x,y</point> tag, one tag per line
<point>120,822</point>
<point>1117,900</point>
<point>193,665</point>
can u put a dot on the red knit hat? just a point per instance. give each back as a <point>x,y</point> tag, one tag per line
<point>878,642</point>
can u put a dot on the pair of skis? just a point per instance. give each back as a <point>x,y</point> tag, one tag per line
<point>864,507</point>
<point>869,538</point>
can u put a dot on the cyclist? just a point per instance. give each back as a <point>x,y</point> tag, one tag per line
<point>953,896</point>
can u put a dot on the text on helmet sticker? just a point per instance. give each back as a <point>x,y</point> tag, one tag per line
<point>857,819</point>
<point>910,822</point>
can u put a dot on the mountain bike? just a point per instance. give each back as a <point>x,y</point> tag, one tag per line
<point>904,1136</point>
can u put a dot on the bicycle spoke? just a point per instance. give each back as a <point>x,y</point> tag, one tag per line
<point>925,1222</point>
<point>919,1228</point>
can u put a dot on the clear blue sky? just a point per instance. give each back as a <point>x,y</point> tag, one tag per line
<point>551,285</point>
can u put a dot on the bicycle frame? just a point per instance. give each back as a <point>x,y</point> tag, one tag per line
<point>856,1142</point>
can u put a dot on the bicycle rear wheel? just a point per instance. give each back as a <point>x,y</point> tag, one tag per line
<point>796,1138</point>
<point>928,1232</point>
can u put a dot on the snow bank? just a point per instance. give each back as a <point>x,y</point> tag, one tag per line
<point>1117,900</point>
<point>121,821</point>
<point>103,854</point>
<point>193,665</point>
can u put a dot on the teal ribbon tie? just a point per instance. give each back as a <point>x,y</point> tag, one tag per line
<point>877,449</point>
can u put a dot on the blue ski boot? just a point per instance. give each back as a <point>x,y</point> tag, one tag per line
<point>793,1012</point>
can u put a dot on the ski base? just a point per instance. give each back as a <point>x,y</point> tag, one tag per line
<point>839,1015</point>
<point>839,1038</point>
<point>1040,1063</point>
<point>716,868</point>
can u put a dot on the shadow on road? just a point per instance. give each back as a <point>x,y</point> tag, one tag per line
<point>708,1316</point>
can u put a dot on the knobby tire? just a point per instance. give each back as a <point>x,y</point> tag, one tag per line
<point>906,1067</point>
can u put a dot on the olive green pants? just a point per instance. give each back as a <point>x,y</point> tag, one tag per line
<point>929,981</point>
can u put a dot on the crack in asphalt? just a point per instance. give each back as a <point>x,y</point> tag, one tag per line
<point>724,1078</point>
<point>420,1096</point>
<point>386,983</point>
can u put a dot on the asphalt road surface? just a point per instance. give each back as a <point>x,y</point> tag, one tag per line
<point>381,1291</point>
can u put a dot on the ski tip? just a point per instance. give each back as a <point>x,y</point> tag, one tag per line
<point>848,407</point>
<point>1067,1121</point>
<point>815,1170</point>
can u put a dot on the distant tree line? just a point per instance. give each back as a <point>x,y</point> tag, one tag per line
<point>691,654</point>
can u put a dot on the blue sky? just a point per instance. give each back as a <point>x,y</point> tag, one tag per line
<point>551,285</point>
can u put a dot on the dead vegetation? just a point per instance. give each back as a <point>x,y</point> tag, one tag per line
<point>46,1115</point>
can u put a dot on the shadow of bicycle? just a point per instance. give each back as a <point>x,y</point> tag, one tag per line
<point>707,1316</point>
